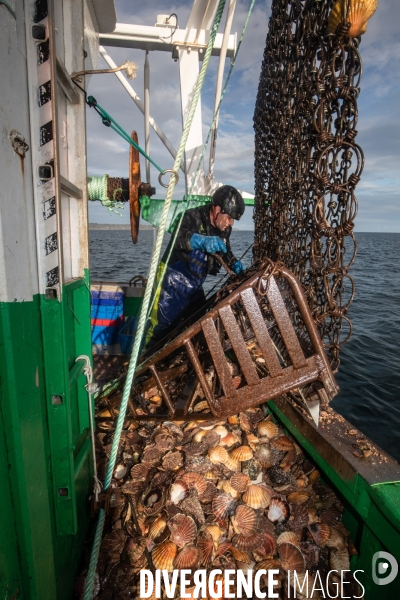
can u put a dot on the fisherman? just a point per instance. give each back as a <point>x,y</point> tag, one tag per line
<point>204,231</point>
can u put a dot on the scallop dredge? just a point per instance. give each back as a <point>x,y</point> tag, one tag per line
<point>234,494</point>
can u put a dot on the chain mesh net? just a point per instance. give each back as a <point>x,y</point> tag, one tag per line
<point>307,164</point>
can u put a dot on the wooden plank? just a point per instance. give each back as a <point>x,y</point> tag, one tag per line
<point>285,324</point>
<point>218,357</point>
<point>239,346</point>
<point>261,332</point>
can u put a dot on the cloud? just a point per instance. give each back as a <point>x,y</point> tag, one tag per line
<point>378,124</point>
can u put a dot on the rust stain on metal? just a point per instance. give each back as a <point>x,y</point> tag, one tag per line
<point>134,184</point>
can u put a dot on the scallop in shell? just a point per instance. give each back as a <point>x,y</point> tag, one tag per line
<point>196,481</point>
<point>240,555</point>
<point>267,429</point>
<point>232,464</point>
<point>241,453</point>
<point>288,537</point>
<point>291,557</point>
<point>179,491</point>
<point>210,476</point>
<point>163,556</point>
<point>218,455</point>
<point>183,530</point>
<point>278,510</point>
<point>151,455</point>
<point>336,540</point>
<point>206,544</point>
<point>339,560</point>
<point>253,441</point>
<point>248,543</point>
<point>359,12</point>
<point>209,493</point>
<point>268,546</point>
<point>245,520</point>
<point>320,532</point>
<point>223,505</point>
<point>188,558</point>
<point>153,501</point>
<point>157,527</point>
<point>215,531</point>
<point>298,497</point>
<point>164,442</point>
<point>221,431</point>
<point>229,440</point>
<point>282,443</point>
<point>256,496</point>
<point>134,549</point>
<point>264,455</point>
<point>199,435</point>
<point>172,461</point>
<point>192,506</point>
<point>226,487</point>
<point>239,482</point>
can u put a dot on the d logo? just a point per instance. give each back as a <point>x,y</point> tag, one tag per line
<point>384,568</point>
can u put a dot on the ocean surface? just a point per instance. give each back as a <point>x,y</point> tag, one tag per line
<point>369,373</point>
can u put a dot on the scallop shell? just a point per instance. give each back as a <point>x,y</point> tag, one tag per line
<point>120,471</point>
<point>151,455</point>
<point>192,507</point>
<point>336,540</point>
<point>172,461</point>
<point>267,429</point>
<point>298,497</point>
<point>239,482</point>
<point>339,560</point>
<point>221,431</point>
<point>242,453</point>
<point>179,491</point>
<point>183,530</point>
<point>114,541</point>
<point>200,406</point>
<point>226,487</point>
<point>288,537</point>
<point>215,531</point>
<point>198,437</point>
<point>195,449</point>
<point>248,543</point>
<point>157,528</point>
<point>153,501</point>
<point>223,505</point>
<point>240,555</point>
<point>268,547</point>
<point>196,481</point>
<point>233,420</point>
<point>134,549</point>
<point>209,493</point>
<point>163,556</point>
<point>269,563</point>
<point>291,557</point>
<point>256,496</point>
<point>279,477</point>
<point>289,460</point>
<point>253,441</point>
<point>253,469</point>
<point>229,440</point>
<point>264,455</point>
<point>210,476</point>
<point>245,520</point>
<point>331,516</point>
<point>282,443</point>
<point>223,547</point>
<point>278,510</point>
<point>232,464</point>
<point>360,11</point>
<point>218,455</point>
<point>188,558</point>
<point>206,544</point>
<point>165,442</point>
<point>313,477</point>
<point>320,533</point>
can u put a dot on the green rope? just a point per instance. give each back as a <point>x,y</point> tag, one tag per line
<point>146,301</point>
<point>110,122</point>
<point>159,283</point>
<point>97,190</point>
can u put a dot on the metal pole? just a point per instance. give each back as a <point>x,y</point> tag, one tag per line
<point>139,104</point>
<point>146,113</point>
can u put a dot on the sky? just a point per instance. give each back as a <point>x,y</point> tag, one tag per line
<point>378,126</point>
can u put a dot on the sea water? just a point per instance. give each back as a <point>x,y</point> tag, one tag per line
<point>369,373</point>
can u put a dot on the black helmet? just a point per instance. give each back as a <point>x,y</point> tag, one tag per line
<point>230,201</point>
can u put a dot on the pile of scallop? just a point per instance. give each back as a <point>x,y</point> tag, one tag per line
<point>235,495</point>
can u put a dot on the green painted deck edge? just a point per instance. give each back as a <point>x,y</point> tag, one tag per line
<point>39,563</point>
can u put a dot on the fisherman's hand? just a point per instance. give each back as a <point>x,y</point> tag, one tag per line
<point>208,243</point>
<point>237,267</point>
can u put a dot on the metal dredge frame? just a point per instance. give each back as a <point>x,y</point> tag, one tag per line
<point>257,388</point>
<point>307,164</point>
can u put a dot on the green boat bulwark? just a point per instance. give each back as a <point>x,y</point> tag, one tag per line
<point>45,454</point>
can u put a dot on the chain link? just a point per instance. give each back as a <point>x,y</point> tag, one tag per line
<point>307,164</point>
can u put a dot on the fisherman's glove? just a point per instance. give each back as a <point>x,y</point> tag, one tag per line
<point>207,243</point>
<point>237,267</point>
